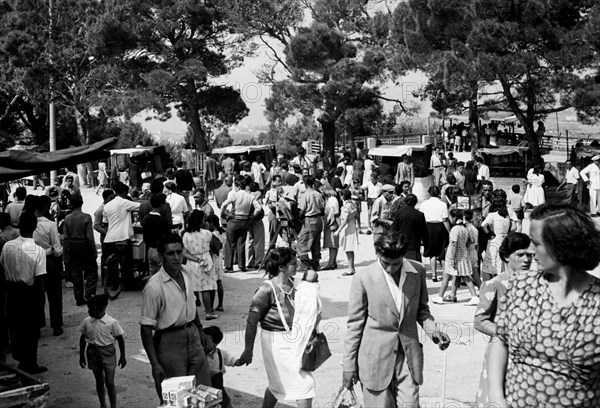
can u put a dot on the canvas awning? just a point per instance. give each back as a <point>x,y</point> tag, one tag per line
<point>504,150</point>
<point>396,150</point>
<point>241,149</point>
<point>16,164</point>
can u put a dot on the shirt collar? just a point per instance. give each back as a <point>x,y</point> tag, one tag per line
<point>154,213</point>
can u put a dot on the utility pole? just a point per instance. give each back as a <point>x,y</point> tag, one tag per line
<point>52,111</point>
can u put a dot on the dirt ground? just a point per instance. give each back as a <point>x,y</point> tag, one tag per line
<point>71,386</point>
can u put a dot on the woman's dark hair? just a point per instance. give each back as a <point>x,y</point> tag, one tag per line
<point>499,205</point>
<point>434,191</point>
<point>451,179</point>
<point>195,221</point>
<point>468,215</point>
<point>346,195</point>
<point>214,220</point>
<point>278,258</point>
<point>391,244</point>
<point>513,242</point>
<point>569,234</point>
<point>397,189</point>
<point>452,193</point>
<point>27,222</point>
<point>402,183</point>
<point>456,214</point>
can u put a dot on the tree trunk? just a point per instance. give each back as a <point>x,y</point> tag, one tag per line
<point>80,127</point>
<point>534,143</point>
<point>328,127</point>
<point>473,117</point>
<point>197,129</point>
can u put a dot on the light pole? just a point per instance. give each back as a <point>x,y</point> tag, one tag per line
<point>51,108</point>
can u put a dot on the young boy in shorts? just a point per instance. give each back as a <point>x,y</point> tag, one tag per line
<point>217,360</point>
<point>99,332</point>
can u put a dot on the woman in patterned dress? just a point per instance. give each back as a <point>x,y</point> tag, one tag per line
<point>213,224</point>
<point>498,224</point>
<point>348,230</point>
<point>548,321</point>
<point>457,262</point>
<point>517,257</point>
<point>196,249</point>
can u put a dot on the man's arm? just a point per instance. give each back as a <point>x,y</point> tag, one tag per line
<point>57,248</point>
<point>426,320</point>
<point>90,235</point>
<point>98,225</point>
<point>158,373</point>
<point>358,309</point>
<point>82,351</point>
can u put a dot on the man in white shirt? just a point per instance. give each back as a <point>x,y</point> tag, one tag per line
<point>46,235</point>
<point>483,171</point>
<point>591,176</point>
<point>571,180</point>
<point>120,228</point>
<point>373,188</point>
<point>436,167</point>
<point>23,266</point>
<point>179,207</point>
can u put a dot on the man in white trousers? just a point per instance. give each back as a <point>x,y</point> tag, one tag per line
<point>591,176</point>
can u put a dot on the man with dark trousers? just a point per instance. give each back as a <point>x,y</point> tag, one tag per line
<point>411,223</point>
<point>312,209</point>
<point>171,330</point>
<point>23,266</point>
<point>46,235</point>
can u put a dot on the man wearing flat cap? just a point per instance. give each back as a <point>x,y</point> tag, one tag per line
<point>591,176</point>
<point>380,214</point>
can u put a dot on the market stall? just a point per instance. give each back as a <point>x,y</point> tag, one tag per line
<point>420,155</point>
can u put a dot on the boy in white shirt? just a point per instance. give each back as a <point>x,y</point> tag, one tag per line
<point>99,332</point>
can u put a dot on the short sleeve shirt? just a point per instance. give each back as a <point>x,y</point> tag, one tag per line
<point>434,209</point>
<point>165,304</point>
<point>101,332</point>
<point>23,260</point>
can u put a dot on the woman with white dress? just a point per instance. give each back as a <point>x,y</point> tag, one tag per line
<point>332,214</point>
<point>348,230</point>
<point>369,167</point>
<point>273,305</point>
<point>498,225</point>
<point>534,195</point>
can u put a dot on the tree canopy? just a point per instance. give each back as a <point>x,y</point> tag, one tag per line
<point>531,54</point>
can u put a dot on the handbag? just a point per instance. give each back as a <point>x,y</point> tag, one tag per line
<point>316,352</point>
<point>340,399</point>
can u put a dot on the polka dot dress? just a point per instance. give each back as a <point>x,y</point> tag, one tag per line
<point>554,352</point>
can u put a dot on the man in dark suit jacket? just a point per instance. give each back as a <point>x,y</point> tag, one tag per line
<point>382,347</point>
<point>411,223</point>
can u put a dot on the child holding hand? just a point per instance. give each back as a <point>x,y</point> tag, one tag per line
<point>217,360</point>
<point>98,334</point>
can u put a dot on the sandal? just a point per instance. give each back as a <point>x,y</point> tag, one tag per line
<point>211,316</point>
<point>219,309</point>
<point>348,273</point>
<point>449,298</point>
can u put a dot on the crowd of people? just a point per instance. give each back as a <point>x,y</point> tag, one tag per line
<point>314,202</point>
